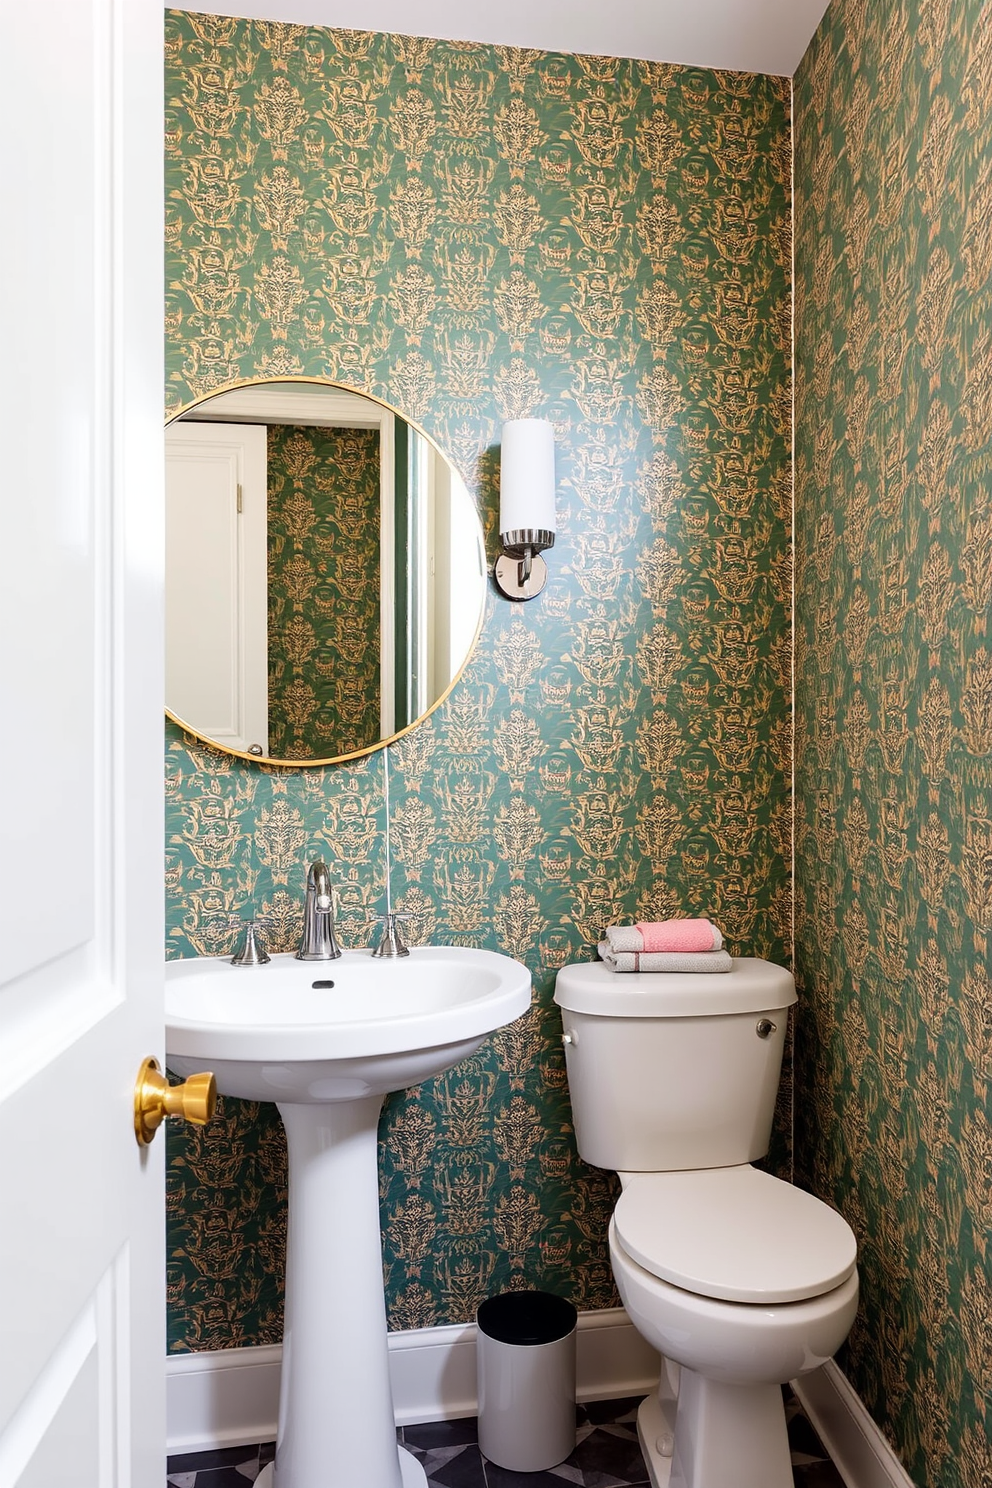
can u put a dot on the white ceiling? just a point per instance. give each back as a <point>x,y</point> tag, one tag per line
<point>743,35</point>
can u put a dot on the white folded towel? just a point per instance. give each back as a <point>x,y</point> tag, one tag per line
<point>624,938</point>
<point>694,961</point>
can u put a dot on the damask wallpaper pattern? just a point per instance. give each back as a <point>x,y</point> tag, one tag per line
<point>894,707</point>
<point>478,233</point>
<point>323,489</point>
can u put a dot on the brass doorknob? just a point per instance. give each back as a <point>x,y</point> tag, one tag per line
<point>154,1099</point>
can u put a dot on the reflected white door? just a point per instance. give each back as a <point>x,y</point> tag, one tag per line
<point>216,584</point>
<point>81,1233</point>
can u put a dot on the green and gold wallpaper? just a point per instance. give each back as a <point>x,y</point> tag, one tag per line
<point>476,233</point>
<point>323,561</point>
<point>893,120</point>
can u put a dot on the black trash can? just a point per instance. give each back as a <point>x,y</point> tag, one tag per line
<point>526,1359</point>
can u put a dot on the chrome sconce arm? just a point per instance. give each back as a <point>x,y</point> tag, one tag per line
<point>520,570</point>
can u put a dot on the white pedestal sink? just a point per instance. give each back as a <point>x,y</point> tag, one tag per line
<point>326,1041</point>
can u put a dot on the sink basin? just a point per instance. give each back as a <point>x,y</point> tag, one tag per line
<point>314,1031</point>
<point>326,1040</point>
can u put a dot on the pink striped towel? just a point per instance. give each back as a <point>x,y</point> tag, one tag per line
<point>680,935</point>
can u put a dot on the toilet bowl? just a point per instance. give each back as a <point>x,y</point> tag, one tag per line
<point>734,1343</point>
<point>744,1282</point>
<point>718,1419</point>
<point>740,1280</point>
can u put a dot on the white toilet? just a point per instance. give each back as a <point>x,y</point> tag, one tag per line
<point>740,1280</point>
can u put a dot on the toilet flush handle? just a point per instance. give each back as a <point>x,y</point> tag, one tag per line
<point>764,1027</point>
<point>568,1037</point>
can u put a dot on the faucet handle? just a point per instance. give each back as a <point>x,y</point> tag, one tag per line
<point>391,943</point>
<point>251,947</point>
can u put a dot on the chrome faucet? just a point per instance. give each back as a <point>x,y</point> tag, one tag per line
<point>319,943</point>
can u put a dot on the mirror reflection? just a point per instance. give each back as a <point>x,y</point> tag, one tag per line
<point>325,572</point>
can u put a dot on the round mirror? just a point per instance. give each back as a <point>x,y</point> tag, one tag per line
<point>325,572</point>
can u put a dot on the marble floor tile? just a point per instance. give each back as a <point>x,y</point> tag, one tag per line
<point>453,1467</point>
<point>441,1433</point>
<point>206,1461</point>
<point>607,1455</point>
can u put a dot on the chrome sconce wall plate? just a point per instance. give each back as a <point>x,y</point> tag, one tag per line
<point>527,521</point>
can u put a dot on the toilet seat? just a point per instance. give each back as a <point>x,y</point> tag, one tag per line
<point>735,1234</point>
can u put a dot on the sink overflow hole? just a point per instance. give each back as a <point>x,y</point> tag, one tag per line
<point>320,986</point>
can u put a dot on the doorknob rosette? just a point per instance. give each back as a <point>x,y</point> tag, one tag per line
<point>154,1099</point>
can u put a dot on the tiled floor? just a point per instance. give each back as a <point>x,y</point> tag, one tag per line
<point>606,1456</point>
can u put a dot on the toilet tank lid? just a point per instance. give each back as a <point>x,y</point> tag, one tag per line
<point>752,986</point>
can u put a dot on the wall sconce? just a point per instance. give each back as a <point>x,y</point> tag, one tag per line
<point>526,506</point>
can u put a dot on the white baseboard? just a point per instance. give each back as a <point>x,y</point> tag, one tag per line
<point>230,1397</point>
<point>221,1398</point>
<point>860,1452</point>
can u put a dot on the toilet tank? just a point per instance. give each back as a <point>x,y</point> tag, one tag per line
<point>673,1070</point>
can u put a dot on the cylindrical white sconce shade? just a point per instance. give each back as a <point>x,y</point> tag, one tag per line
<point>527,521</point>
<point>527,478</point>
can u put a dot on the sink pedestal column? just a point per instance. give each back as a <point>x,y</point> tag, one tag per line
<point>336,1422</point>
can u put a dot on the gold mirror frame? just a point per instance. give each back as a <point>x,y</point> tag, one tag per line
<point>337,759</point>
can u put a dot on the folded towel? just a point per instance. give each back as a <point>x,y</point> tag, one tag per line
<point>624,938</point>
<point>695,961</point>
<point>666,935</point>
<point>680,935</point>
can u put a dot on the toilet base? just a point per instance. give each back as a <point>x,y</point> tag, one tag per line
<point>699,1433</point>
<point>656,1434</point>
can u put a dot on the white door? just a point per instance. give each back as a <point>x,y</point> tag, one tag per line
<point>216,582</point>
<point>81,1213</point>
